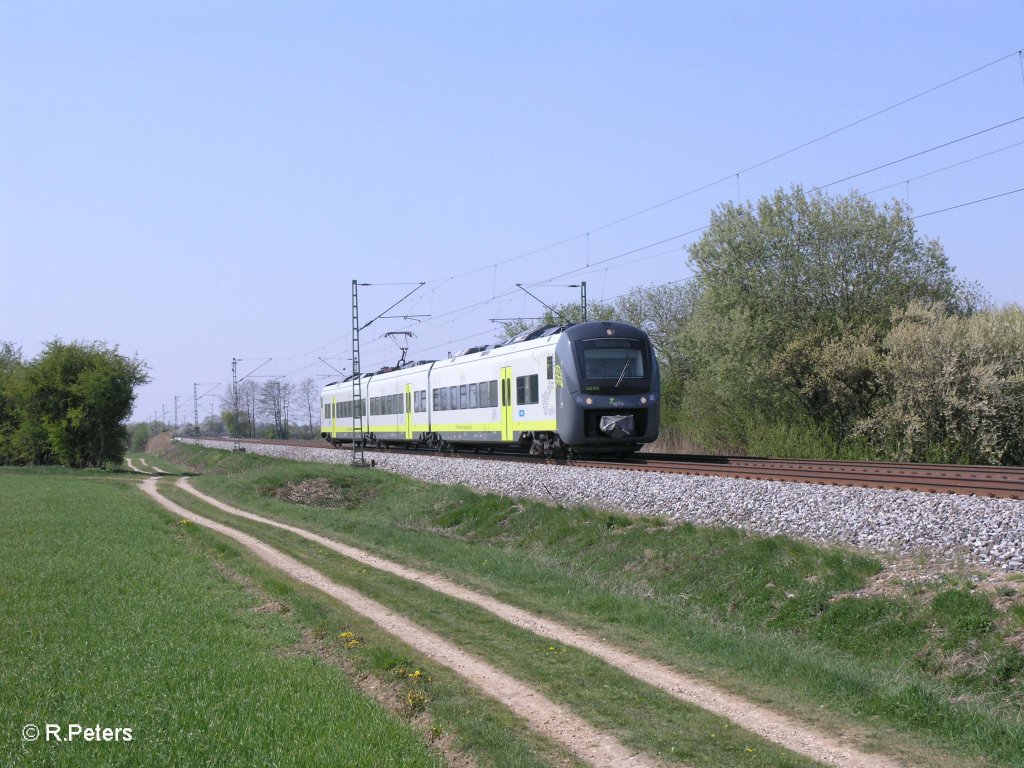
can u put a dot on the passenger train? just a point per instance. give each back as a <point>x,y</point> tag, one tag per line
<point>588,388</point>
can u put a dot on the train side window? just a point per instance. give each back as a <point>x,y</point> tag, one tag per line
<point>444,398</point>
<point>415,402</point>
<point>423,401</point>
<point>494,393</point>
<point>437,400</point>
<point>453,397</point>
<point>551,368</point>
<point>527,390</point>
<point>463,396</point>
<point>472,396</point>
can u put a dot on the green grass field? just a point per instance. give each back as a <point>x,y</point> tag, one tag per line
<point>931,673</point>
<point>112,614</point>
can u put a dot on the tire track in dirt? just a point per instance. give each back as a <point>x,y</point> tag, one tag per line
<point>770,725</point>
<point>133,468</point>
<point>541,714</point>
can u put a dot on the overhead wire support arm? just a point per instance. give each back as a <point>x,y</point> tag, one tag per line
<point>404,317</point>
<point>196,397</point>
<point>545,304</point>
<point>340,373</point>
<point>378,317</point>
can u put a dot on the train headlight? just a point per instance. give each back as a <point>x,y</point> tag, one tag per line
<point>579,399</point>
<point>589,401</point>
<point>643,400</point>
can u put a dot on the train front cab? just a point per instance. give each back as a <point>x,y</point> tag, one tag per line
<point>607,387</point>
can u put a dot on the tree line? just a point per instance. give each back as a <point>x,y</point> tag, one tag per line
<point>273,408</point>
<point>821,326</point>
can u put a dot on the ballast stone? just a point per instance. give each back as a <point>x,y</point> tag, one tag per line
<point>985,531</point>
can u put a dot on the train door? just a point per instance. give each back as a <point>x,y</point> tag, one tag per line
<point>506,404</point>
<point>408,411</point>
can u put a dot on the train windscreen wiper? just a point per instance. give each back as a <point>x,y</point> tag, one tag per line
<point>622,375</point>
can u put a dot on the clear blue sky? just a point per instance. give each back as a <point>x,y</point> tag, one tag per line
<point>201,181</point>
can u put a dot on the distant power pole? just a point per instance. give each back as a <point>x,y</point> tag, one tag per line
<point>196,397</point>
<point>237,444</point>
<point>175,432</point>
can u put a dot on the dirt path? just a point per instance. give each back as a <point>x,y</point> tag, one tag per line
<point>770,725</point>
<point>157,470</point>
<point>544,716</point>
<point>133,468</point>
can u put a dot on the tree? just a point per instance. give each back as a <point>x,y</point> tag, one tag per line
<point>138,436</point>
<point>75,401</point>
<point>954,387</point>
<point>245,407</point>
<point>309,396</point>
<point>663,311</point>
<point>273,399</point>
<point>784,287</point>
<point>11,368</point>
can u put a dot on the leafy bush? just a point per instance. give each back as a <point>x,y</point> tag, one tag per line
<point>68,406</point>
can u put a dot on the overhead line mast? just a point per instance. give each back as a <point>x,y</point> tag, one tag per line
<point>358,455</point>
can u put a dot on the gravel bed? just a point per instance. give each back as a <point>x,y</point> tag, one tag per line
<point>987,532</point>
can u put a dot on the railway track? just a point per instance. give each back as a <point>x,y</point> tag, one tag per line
<point>997,482</point>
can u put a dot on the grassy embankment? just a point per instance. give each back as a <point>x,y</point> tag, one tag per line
<point>928,671</point>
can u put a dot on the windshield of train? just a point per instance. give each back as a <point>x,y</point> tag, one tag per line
<point>620,360</point>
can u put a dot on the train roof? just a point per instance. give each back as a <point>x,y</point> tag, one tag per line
<point>543,333</point>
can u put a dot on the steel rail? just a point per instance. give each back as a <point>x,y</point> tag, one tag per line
<point>992,481</point>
